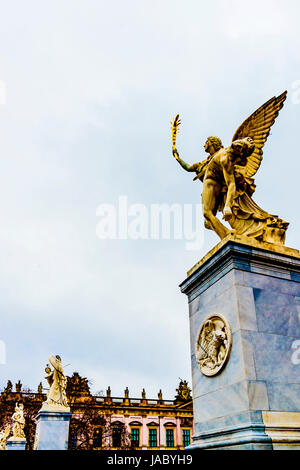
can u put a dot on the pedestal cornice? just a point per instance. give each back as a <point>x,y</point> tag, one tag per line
<point>234,253</point>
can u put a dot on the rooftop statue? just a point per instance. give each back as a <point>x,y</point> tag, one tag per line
<point>183,391</point>
<point>77,385</point>
<point>227,176</point>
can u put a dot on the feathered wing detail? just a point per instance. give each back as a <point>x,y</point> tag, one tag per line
<point>258,127</point>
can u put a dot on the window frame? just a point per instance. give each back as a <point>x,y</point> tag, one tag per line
<point>153,428</point>
<point>116,428</point>
<point>190,434</point>
<point>135,428</point>
<point>173,433</point>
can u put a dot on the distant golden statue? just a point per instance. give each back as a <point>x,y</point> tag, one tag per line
<point>56,397</point>
<point>227,176</point>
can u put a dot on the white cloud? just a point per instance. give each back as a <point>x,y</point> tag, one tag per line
<point>256,19</point>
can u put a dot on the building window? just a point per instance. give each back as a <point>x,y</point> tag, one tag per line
<point>116,437</point>
<point>135,437</point>
<point>170,437</point>
<point>97,438</point>
<point>186,437</point>
<point>152,437</point>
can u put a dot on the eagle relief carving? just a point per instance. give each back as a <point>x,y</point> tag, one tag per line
<point>213,345</point>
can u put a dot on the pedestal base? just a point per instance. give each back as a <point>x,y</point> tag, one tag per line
<point>251,431</point>
<point>254,401</point>
<point>52,430</point>
<point>16,444</point>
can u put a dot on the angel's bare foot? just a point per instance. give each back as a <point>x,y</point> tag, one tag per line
<point>227,213</point>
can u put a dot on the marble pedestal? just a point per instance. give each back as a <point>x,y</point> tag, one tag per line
<point>52,430</point>
<point>254,402</point>
<point>16,444</point>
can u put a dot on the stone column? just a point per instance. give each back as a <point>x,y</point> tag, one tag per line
<point>254,400</point>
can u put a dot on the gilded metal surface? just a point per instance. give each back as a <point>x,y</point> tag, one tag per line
<point>183,391</point>
<point>227,176</point>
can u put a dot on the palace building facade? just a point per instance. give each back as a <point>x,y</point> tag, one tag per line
<point>104,422</point>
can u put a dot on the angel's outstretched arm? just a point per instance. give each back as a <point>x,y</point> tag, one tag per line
<point>184,165</point>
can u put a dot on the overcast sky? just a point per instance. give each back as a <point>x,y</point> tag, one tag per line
<point>91,86</point>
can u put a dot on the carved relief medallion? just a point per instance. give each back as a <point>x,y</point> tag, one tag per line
<point>213,345</point>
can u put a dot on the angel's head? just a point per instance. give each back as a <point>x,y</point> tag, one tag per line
<point>213,145</point>
<point>242,149</point>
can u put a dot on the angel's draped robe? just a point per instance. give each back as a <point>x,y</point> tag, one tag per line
<point>248,218</point>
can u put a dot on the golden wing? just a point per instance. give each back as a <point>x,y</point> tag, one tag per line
<point>175,129</point>
<point>258,127</point>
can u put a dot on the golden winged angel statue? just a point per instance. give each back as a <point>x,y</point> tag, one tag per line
<point>227,176</point>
